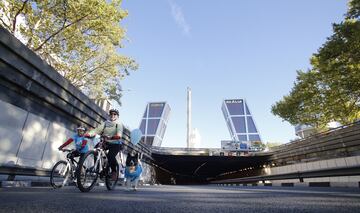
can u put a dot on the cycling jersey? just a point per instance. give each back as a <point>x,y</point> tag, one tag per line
<point>111,129</point>
<point>80,143</point>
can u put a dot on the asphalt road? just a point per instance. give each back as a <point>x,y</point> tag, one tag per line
<point>181,199</point>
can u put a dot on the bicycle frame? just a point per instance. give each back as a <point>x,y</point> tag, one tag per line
<point>95,163</point>
<point>67,170</point>
<point>99,161</point>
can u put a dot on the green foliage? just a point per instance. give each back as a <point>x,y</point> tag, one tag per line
<point>81,39</point>
<point>272,144</point>
<point>330,90</point>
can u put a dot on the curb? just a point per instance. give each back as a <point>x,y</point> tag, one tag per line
<point>29,183</point>
<point>303,184</point>
<point>5,184</point>
<point>23,183</point>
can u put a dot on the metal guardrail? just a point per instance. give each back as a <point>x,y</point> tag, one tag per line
<point>140,147</point>
<point>340,142</point>
<point>24,171</point>
<point>330,172</point>
<point>317,135</point>
<point>14,170</point>
<point>32,171</point>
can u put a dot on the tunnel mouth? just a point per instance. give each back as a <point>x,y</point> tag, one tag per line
<point>187,169</point>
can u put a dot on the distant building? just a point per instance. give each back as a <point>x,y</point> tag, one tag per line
<point>229,145</point>
<point>103,104</point>
<point>154,122</point>
<point>304,131</point>
<point>333,125</point>
<point>240,121</point>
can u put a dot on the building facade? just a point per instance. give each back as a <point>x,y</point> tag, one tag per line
<point>304,131</point>
<point>240,121</point>
<point>154,122</point>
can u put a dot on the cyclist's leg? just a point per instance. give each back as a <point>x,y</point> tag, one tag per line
<point>81,156</point>
<point>75,154</point>
<point>72,155</point>
<point>113,151</point>
<point>75,163</point>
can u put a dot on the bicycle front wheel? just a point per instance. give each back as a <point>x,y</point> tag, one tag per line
<point>60,173</point>
<point>110,180</point>
<point>87,172</point>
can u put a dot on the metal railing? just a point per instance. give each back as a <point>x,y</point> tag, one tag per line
<point>142,148</point>
<point>341,142</point>
<point>13,170</point>
<point>329,172</point>
<point>23,171</point>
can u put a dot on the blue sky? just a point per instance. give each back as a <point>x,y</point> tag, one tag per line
<point>247,49</point>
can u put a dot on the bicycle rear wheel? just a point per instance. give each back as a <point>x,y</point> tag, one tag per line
<point>87,172</point>
<point>60,174</point>
<point>109,181</point>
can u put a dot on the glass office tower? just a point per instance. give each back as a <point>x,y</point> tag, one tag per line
<point>154,123</point>
<point>239,120</point>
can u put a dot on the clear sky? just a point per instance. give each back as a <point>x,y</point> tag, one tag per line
<point>227,49</point>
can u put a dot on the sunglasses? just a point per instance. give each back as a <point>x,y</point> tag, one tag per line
<point>113,114</point>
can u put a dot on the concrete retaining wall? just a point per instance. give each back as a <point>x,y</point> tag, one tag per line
<point>39,108</point>
<point>28,139</point>
<point>321,164</point>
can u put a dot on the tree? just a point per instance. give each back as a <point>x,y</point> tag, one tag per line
<point>330,90</point>
<point>81,39</point>
<point>272,145</point>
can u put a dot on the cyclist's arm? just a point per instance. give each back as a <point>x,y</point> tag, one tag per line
<point>116,137</point>
<point>97,131</point>
<point>66,143</point>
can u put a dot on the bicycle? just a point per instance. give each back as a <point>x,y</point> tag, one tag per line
<point>63,171</point>
<point>95,164</point>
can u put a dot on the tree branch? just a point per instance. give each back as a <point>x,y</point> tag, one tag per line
<point>98,67</point>
<point>17,13</point>
<point>32,33</point>
<point>58,31</point>
<point>86,60</point>
<point>5,25</point>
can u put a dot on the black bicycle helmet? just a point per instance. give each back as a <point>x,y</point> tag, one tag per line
<point>114,111</point>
